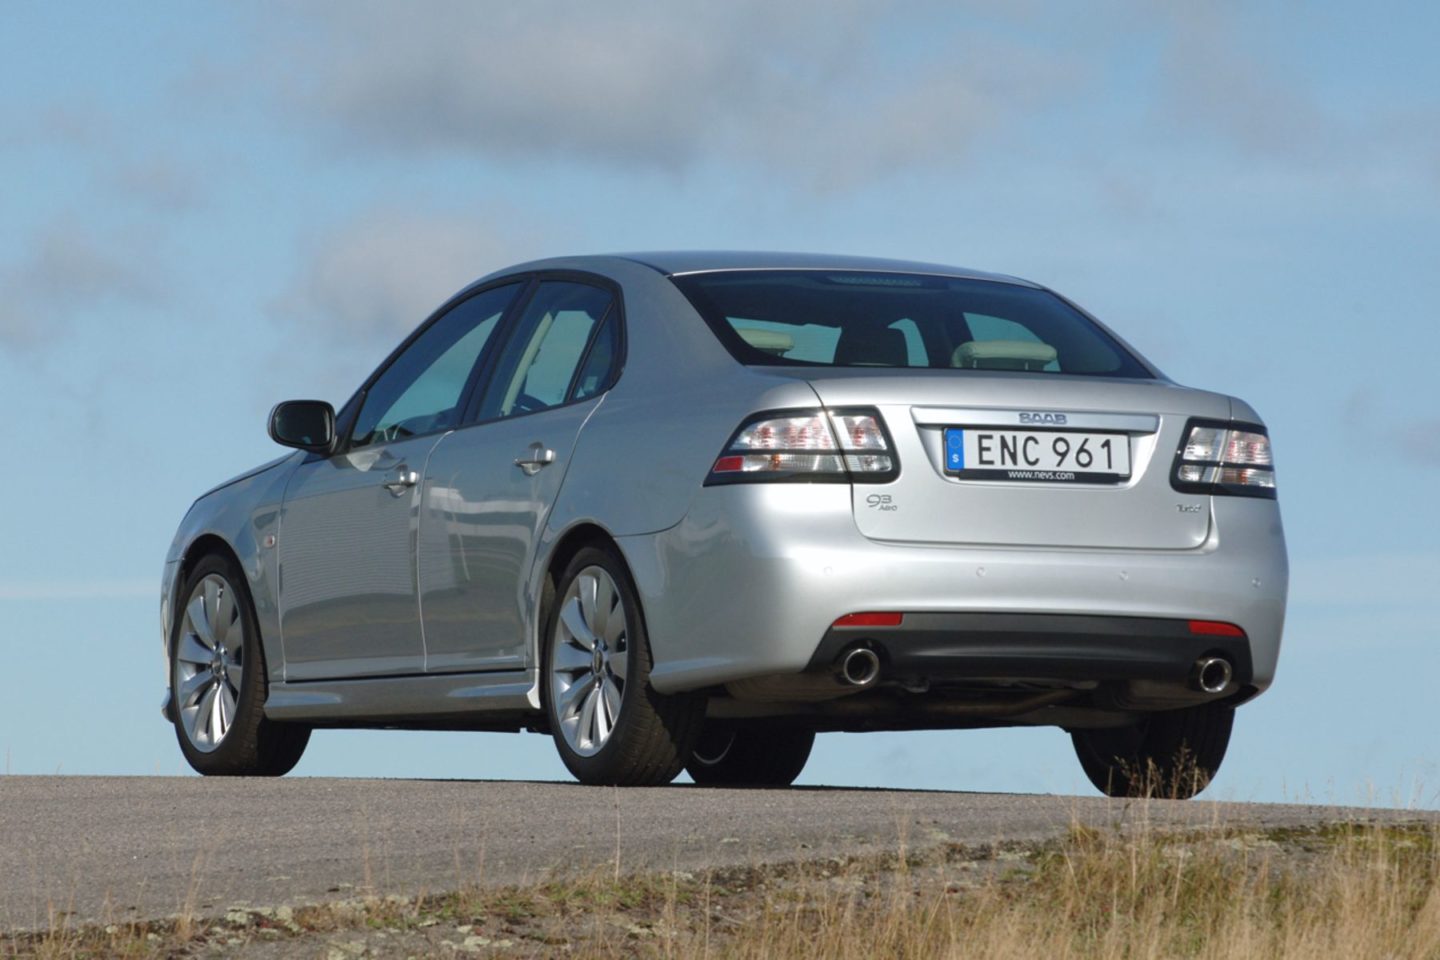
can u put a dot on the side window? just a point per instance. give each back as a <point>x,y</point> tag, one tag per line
<point>547,346</point>
<point>421,391</point>
<point>600,362</point>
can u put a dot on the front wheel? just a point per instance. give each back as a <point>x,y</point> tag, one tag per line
<point>735,755</point>
<point>217,680</point>
<point>1173,754</point>
<point>610,726</point>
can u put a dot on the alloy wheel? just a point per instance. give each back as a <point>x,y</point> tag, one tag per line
<point>209,663</point>
<point>589,657</point>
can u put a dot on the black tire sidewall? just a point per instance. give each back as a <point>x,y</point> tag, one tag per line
<point>1150,767</point>
<point>759,755</point>
<point>698,761</point>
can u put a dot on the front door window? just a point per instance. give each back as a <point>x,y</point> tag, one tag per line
<point>421,391</point>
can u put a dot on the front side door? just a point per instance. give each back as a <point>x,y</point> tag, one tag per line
<point>348,595</point>
<point>489,487</point>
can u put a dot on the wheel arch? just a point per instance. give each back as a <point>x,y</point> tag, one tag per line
<point>205,545</point>
<point>585,533</point>
<point>202,547</point>
<point>208,544</point>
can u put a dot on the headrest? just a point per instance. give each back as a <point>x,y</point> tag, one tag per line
<point>1003,355</point>
<point>769,341</point>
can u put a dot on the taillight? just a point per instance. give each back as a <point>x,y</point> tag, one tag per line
<point>815,446</point>
<point>1225,458</point>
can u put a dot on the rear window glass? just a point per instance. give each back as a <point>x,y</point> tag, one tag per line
<point>837,319</point>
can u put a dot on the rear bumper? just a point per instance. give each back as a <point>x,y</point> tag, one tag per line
<point>957,647</point>
<point>749,583</point>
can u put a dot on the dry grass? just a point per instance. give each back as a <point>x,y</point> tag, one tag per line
<point>1353,891</point>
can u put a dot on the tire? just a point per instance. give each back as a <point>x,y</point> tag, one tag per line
<point>732,755</point>
<point>1173,754</point>
<point>610,726</point>
<point>221,723</point>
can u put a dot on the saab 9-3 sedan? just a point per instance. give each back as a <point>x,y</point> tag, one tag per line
<point>684,511</point>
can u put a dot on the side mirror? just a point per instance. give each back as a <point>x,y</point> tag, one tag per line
<point>307,424</point>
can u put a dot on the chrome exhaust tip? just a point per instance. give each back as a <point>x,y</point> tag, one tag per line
<point>1211,674</point>
<point>860,667</point>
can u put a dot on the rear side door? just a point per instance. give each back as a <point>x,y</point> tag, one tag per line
<point>348,595</point>
<point>489,487</point>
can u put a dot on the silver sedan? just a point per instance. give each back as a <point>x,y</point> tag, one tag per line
<point>687,510</point>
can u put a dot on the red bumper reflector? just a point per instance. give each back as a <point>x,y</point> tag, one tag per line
<point>729,465</point>
<point>1214,628</point>
<point>869,620</point>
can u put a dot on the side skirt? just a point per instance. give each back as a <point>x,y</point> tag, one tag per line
<point>458,700</point>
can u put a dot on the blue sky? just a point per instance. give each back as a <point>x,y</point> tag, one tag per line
<point>208,208</point>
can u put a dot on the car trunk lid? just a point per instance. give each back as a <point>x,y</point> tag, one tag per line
<point>1022,507</point>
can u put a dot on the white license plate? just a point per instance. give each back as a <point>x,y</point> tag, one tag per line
<point>981,453</point>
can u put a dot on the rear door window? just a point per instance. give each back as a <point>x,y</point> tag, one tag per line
<point>539,366</point>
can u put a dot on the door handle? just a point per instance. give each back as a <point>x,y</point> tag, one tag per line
<point>404,480</point>
<point>537,456</point>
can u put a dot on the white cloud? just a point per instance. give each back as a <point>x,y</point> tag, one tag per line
<point>367,282</point>
<point>807,90</point>
<point>66,272</point>
<point>78,589</point>
<point>59,123</point>
<point>157,182</point>
<point>824,95</point>
<point>1419,441</point>
<point>1216,84</point>
<point>374,278</point>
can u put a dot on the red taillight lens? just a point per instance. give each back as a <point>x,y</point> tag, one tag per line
<point>870,620</point>
<point>1214,628</point>
<point>813,445</point>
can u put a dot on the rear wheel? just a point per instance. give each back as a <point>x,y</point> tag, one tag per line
<point>610,726</point>
<point>749,755</point>
<point>1173,754</point>
<point>218,681</point>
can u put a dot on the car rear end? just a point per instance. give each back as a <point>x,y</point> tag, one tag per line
<point>993,512</point>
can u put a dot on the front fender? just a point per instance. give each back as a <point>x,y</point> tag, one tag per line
<point>242,518</point>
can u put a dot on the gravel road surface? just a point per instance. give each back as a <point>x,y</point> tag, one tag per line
<point>116,848</point>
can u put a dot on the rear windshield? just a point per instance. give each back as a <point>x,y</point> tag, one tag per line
<point>837,319</point>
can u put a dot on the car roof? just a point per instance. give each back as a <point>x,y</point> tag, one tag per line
<point>677,262</point>
<point>674,262</point>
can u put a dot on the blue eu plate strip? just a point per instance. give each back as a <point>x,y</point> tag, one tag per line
<point>954,449</point>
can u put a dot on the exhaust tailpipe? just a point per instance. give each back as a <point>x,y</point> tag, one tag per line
<point>1211,674</point>
<point>860,667</point>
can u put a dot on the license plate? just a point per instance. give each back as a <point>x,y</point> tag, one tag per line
<point>980,453</point>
